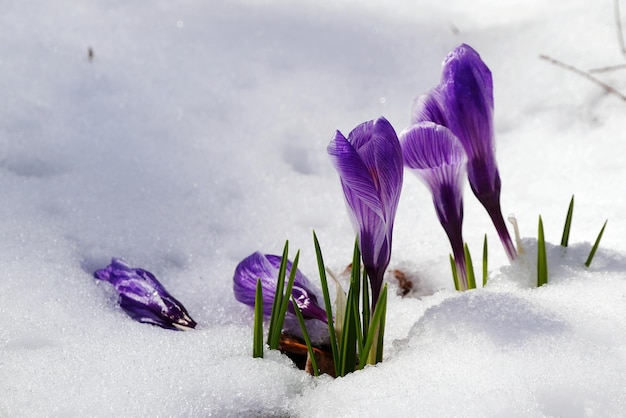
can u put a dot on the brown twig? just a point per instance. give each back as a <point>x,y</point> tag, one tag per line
<point>607,68</point>
<point>584,74</point>
<point>618,25</point>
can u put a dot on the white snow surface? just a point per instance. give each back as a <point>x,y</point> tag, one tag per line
<point>197,135</point>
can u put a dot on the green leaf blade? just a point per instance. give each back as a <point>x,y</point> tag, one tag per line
<point>455,274</point>
<point>257,343</point>
<point>471,277</point>
<point>542,260</point>
<point>348,348</point>
<point>375,332</point>
<point>568,223</point>
<point>305,335</point>
<point>272,340</point>
<point>327,303</point>
<point>595,245</point>
<point>485,262</point>
<point>285,302</point>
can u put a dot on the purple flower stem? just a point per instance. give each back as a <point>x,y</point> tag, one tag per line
<point>495,213</point>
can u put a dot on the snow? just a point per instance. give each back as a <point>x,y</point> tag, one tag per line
<point>197,135</point>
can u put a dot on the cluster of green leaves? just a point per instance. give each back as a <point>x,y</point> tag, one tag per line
<point>356,339</point>
<point>471,276</point>
<point>279,308</point>
<point>542,260</point>
<point>542,263</point>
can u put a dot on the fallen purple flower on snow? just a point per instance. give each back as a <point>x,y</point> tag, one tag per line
<point>143,298</point>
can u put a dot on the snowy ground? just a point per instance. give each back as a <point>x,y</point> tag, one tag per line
<point>197,135</point>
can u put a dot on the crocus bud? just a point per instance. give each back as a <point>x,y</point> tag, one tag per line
<point>265,267</point>
<point>463,102</point>
<point>369,163</point>
<point>143,298</point>
<point>436,156</point>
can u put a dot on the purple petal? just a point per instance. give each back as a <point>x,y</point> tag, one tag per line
<point>429,107</point>
<point>382,156</point>
<point>143,298</point>
<point>369,163</point>
<point>436,156</point>
<point>467,92</point>
<point>355,176</point>
<point>266,267</point>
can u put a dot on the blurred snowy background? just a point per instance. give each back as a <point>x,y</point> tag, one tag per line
<point>196,135</point>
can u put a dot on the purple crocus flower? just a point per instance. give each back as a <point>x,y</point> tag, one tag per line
<point>463,102</point>
<point>265,267</point>
<point>369,163</point>
<point>143,298</point>
<point>436,156</point>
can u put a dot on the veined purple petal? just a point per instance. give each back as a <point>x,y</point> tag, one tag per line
<point>265,267</point>
<point>429,107</point>
<point>436,156</point>
<point>467,94</point>
<point>369,163</point>
<point>355,176</point>
<point>143,298</point>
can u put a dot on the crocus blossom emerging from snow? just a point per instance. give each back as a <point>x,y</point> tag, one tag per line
<point>436,156</point>
<point>463,102</point>
<point>265,267</point>
<point>143,298</point>
<point>369,163</point>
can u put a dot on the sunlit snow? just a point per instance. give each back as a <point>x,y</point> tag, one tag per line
<point>196,135</point>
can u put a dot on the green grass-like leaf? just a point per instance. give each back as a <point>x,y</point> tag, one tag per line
<point>285,302</point>
<point>485,266</point>
<point>542,260</point>
<point>365,304</point>
<point>348,346</point>
<point>305,334</point>
<point>380,335</point>
<point>274,334</point>
<point>471,277</point>
<point>455,274</point>
<point>361,332</point>
<point>375,331</point>
<point>568,223</point>
<point>257,342</point>
<point>356,277</point>
<point>327,303</point>
<point>595,245</point>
